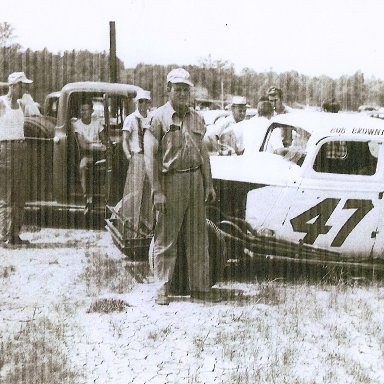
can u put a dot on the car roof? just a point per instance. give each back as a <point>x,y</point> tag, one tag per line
<point>99,86</point>
<point>94,88</point>
<point>211,115</point>
<point>53,94</point>
<point>321,124</point>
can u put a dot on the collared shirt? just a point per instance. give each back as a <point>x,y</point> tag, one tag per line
<point>336,150</point>
<point>180,138</point>
<point>222,124</point>
<point>90,131</point>
<point>11,121</point>
<point>284,109</point>
<point>135,124</point>
<point>253,133</point>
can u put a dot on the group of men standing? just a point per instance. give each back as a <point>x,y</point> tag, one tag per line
<point>172,153</point>
<point>168,181</point>
<point>229,135</point>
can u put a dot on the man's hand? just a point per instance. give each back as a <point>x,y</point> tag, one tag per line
<point>210,194</point>
<point>159,202</point>
<point>99,147</point>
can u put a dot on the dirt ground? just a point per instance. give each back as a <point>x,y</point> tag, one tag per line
<point>73,310</point>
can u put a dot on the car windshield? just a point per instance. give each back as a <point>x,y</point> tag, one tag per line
<point>287,141</point>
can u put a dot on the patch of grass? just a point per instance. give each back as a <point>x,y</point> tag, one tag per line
<point>5,272</point>
<point>270,293</point>
<point>159,334</point>
<point>104,273</point>
<point>35,356</point>
<point>108,306</point>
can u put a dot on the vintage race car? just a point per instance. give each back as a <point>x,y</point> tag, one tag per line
<point>311,191</point>
<point>54,155</point>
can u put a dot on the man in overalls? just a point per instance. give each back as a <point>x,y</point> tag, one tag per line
<point>178,168</point>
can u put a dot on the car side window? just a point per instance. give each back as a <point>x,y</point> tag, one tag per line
<point>287,142</point>
<point>347,157</point>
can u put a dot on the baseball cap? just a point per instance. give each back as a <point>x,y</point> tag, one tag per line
<point>179,75</point>
<point>142,94</point>
<point>18,77</point>
<point>272,91</point>
<point>239,100</point>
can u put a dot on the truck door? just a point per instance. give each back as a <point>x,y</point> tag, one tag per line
<point>39,133</point>
<point>108,179</point>
<point>115,110</point>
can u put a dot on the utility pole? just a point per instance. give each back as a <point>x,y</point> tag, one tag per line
<point>112,53</point>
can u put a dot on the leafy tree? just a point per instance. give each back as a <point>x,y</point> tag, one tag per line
<point>7,35</point>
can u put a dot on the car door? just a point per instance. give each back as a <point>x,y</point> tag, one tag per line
<point>339,207</point>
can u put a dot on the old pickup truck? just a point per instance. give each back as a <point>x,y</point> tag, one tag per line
<point>54,190</point>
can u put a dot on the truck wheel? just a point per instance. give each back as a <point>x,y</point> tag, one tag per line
<point>217,252</point>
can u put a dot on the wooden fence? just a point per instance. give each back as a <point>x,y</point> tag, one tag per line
<point>50,72</point>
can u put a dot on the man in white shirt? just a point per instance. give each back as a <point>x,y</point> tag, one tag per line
<point>246,136</point>
<point>136,204</point>
<point>12,162</point>
<point>213,138</point>
<point>91,138</point>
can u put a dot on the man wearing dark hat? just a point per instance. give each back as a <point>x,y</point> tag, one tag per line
<point>12,161</point>
<point>179,171</point>
<point>275,96</point>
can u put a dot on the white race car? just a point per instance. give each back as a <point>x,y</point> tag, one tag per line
<point>312,192</point>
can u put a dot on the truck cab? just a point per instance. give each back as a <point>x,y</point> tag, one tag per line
<point>54,154</point>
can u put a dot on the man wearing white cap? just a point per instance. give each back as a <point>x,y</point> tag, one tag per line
<point>178,168</point>
<point>136,205</point>
<point>216,137</point>
<point>12,162</point>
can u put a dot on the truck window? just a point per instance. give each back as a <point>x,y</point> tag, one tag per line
<point>347,157</point>
<point>117,111</point>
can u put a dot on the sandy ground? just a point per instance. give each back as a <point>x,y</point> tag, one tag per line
<point>145,343</point>
<point>54,285</point>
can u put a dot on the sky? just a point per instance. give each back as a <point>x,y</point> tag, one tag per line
<point>322,37</point>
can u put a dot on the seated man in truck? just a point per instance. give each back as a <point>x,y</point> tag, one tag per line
<point>91,138</point>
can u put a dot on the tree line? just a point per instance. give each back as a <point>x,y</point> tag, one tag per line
<point>213,79</point>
